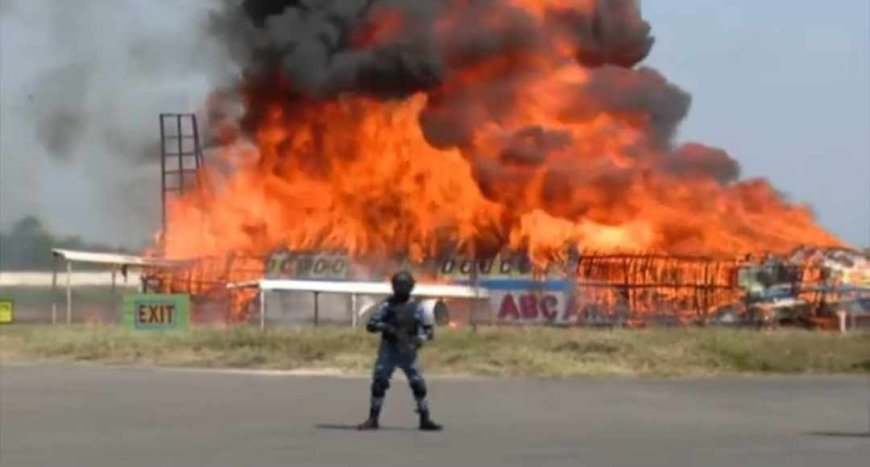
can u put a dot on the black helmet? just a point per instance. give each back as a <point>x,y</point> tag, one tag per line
<point>403,283</point>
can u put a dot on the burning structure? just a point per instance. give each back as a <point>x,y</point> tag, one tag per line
<point>422,131</point>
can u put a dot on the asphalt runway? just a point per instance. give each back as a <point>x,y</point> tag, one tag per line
<point>80,415</point>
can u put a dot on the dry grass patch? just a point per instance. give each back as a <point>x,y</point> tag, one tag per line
<point>537,352</point>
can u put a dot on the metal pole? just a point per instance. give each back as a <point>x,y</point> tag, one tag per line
<point>180,155</point>
<point>841,316</point>
<point>69,292</point>
<point>262,309</point>
<point>54,291</point>
<point>316,307</point>
<point>354,318</point>
<point>475,284</point>
<point>163,173</point>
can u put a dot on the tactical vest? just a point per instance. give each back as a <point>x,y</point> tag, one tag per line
<point>403,316</point>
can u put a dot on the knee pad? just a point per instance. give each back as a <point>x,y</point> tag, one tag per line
<point>379,387</point>
<point>418,387</point>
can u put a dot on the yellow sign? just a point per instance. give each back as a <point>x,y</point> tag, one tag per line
<point>6,311</point>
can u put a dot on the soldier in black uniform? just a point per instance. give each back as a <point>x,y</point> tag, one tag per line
<point>403,327</point>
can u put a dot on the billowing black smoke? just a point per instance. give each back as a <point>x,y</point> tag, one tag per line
<point>312,44</point>
<point>615,34</point>
<point>389,49</point>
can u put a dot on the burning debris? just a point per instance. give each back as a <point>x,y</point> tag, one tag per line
<point>386,128</point>
<point>595,289</point>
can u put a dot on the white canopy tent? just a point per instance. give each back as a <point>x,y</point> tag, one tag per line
<point>117,262</point>
<point>353,288</point>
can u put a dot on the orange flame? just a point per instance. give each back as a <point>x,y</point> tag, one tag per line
<point>358,174</point>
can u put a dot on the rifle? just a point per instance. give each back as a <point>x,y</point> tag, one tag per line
<point>405,342</point>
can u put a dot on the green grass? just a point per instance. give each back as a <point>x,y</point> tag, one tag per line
<point>538,352</point>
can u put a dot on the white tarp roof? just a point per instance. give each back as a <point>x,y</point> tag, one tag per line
<point>110,258</point>
<point>363,288</point>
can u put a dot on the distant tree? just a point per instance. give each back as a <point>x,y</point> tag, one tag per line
<point>27,246</point>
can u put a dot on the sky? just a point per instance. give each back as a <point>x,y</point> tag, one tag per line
<point>95,74</point>
<point>782,85</point>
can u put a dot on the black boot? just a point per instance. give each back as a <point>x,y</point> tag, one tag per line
<point>371,423</point>
<point>426,423</point>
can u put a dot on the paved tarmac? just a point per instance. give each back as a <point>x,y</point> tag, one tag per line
<point>82,415</point>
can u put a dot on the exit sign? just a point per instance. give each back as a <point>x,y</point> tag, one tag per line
<point>156,312</point>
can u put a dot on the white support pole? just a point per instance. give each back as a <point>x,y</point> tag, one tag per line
<point>842,317</point>
<point>54,291</point>
<point>69,292</point>
<point>354,317</point>
<point>262,309</point>
<point>316,308</point>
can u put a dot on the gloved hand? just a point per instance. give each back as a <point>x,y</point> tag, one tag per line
<point>381,327</point>
<point>416,342</point>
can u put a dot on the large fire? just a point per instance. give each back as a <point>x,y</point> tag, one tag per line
<point>477,126</point>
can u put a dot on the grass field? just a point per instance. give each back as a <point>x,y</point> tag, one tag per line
<point>539,352</point>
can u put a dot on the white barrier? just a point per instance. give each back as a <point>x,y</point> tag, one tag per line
<point>77,279</point>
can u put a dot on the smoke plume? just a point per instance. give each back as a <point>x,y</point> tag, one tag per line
<point>83,83</point>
